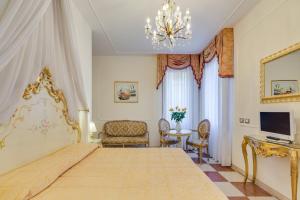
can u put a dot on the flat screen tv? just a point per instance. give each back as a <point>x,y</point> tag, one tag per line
<point>278,124</point>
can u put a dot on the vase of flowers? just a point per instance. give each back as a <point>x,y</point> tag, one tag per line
<point>178,114</point>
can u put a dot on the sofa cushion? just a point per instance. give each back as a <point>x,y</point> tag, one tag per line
<point>124,140</point>
<point>125,128</point>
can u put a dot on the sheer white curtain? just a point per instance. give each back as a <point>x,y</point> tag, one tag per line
<point>180,89</point>
<point>215,106</point>
<point>34,34</point>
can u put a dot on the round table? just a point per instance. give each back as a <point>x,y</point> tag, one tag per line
<point>179,135</point>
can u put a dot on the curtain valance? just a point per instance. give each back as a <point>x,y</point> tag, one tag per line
<point>221,46</point>
<point>177,61</point>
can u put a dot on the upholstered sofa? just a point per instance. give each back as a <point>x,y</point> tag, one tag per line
<point>125,132</point>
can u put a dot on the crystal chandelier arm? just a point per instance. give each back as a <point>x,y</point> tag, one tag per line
<point>174,25</point>
<point>170,41</point>
<point>181,37</point>
<point>162,39</point>
<point>158,34</point>
<point>179,30</point>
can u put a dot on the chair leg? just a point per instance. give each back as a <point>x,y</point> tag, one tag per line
<point>207,153</point>
<point>200,154</point>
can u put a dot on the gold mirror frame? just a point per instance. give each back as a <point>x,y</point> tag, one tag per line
<point>278,98</point>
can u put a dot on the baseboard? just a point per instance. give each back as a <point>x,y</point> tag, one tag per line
<point>262,185</point>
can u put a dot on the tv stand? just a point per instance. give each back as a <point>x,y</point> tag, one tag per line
<point>265,148</point>
<point>278,140</point>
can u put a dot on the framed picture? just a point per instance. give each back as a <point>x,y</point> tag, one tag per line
<point>126,91</point>
<point>282,87</point>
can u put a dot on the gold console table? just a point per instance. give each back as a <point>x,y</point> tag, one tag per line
<point>260,146</point>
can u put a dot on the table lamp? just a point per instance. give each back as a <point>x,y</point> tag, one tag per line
<point>93,130</point>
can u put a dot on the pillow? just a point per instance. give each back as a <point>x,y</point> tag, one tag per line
<point>29,180</point>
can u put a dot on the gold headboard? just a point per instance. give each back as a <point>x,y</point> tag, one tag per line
<point>40,125</point>
<point>45,80</point>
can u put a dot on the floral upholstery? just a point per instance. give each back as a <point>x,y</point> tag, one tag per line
<point>124,140</point>
<point>204,129</point>
<point>125,128</point>
<point>125,132</point>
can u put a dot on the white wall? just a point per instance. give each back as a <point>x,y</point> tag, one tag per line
<point>271,26</point>
<point>106,70</point>
<point>84,40</point>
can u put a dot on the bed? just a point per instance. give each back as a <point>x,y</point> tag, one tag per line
<point>87,172</point>
<point>68,170</point>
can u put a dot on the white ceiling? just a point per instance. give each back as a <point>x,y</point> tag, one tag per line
<point>118,25</point>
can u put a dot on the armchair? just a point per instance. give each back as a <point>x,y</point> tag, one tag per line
<point>165,140</point>
<point>202,138</point>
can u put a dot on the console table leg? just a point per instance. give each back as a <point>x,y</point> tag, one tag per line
<point>254,164</point>
<point>294,173</point>
<point>244,150</point>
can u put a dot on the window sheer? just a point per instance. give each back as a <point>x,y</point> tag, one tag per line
<point>215,105</point>
<point>180,89</point>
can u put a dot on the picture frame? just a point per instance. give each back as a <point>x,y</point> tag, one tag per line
<point>284,87</point>
<point>126,91</point>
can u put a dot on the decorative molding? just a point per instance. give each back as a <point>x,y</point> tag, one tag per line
<point>278,98</point>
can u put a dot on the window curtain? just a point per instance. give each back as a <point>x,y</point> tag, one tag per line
<point>35,34</point>
<point>215,105</point>
<point>221,46</point>
<point>180,89</point>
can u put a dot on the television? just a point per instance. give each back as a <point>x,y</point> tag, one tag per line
<point>278,124</point>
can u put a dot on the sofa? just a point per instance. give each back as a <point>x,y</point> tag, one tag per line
<point>125,132</point>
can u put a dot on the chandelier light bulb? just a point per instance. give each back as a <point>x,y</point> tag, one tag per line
<point>187,12</point>
<point>188,26</point>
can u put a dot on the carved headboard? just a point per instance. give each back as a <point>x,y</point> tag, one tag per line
<point>39,126</point>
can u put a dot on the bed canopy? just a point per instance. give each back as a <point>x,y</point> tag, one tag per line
<point>35,34</point>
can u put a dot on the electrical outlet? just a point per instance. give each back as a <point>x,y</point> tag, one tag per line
<point>242,120</point>
<point>247,121</point>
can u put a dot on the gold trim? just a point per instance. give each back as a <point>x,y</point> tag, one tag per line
<point>278,98</point>
<point>137,91</point>
<point>267,149</point>
<point>45,80</point>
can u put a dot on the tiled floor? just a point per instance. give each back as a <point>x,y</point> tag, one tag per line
<point>229,181</point>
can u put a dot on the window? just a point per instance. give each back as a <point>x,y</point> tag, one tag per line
<point>180,89</point>
<point>216,106</point>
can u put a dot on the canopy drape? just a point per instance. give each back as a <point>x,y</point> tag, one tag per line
<point>221,46</point>
<point>35,34</point>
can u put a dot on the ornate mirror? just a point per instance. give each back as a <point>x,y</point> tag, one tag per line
<point>280,76</point>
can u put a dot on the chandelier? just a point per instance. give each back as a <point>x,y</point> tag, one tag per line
<point>170,25</point>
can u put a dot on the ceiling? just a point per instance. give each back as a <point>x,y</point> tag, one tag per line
<point>118,25</point>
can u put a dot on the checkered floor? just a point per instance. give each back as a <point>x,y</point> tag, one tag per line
<point>229,181</point>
